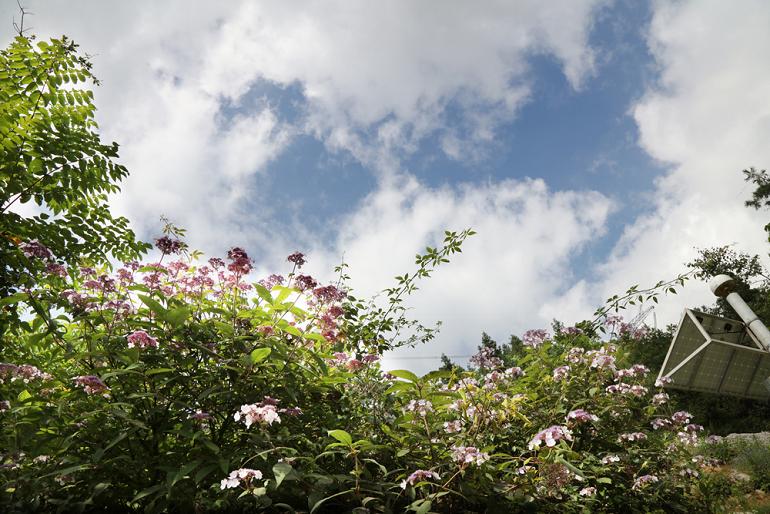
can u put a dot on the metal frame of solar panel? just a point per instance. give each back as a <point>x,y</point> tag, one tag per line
<point>716,355</point>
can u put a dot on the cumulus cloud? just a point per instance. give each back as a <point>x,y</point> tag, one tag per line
<point>708,118</point>
<point>522,255</point>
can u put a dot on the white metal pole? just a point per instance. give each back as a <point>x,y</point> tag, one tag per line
<point>722,285</point>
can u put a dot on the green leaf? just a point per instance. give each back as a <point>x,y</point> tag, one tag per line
<point>24,396</point>
<point>604,480</point>
<point>157,371</point>
<point>153,305</point>
<point>260,354</point>
<point>176,317</point>
<point>321,501</point>
<point>281,470</point>
<point>405,374</point>
<point>148,492</point>
<point>341,436</point>
<point>264,293</point>
<point>14,298</point>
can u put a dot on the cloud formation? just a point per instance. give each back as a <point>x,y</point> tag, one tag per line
<point>707,118</point>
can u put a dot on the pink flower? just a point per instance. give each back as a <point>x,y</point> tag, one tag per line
<point>550,436</point>
<point>91,384</point>
<point>328,294</point>
<point>560,373</point>
<point>644,481</point>
<point>659,399</point>
<point>141,339</point>
<point>581,416</point>
<point>682,417</point>
<point>659,423</point>
<point>534,338</point>
<point>297,258</point>
<point>610,459</point>
<point>421,475</point>
<point>56,269</point>
<point>587,491</point>
<point>632,436</point>
<point>421,407</point>
<point>468,455</point>
<point>254,413</point>
<point>235,478</point>
<point>452,427</point>
<point>304,282</point>
<point>35,248</point>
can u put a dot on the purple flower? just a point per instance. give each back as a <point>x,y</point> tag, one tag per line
<point>271,281</point>
<point>328,294</point>
<point>534,338</point>
<point>644,481</point>
<point>632,436</point>
<point>141,339</point>
<point>36,249</point>
<point>297,258</point>
<point>468,455</point>
<point>682,417</point>
<point>550,436</point>
<point>167,245</point>
<point>581,416</point>
<point>485,358</point>
<point>421,475</point>
<point>216,262</point>
<point>560,373</point>
<point>5,405</point>
<point>56,269</point>
<point>305,282</point>
<point>421,407</point>
<point>240,263</point>
<point>244,475</point>
<point>91,384</point>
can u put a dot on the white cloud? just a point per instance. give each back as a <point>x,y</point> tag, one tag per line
<point>522,255</point>
<point>708,117</point>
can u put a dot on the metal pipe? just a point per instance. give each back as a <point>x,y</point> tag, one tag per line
<point>723,286</point>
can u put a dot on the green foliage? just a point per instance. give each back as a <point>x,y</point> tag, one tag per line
<point>51,154</point>
<point>181,387</point>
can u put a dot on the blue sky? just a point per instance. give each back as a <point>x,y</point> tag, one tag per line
<point>593,144</point>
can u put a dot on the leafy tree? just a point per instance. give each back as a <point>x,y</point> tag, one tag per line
<point>51,154</point>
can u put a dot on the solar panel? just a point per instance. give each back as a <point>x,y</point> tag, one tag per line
<point>716,355</point>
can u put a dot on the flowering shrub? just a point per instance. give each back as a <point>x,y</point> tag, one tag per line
<point>187,385</point>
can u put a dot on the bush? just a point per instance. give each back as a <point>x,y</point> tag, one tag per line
<point>183,386</point>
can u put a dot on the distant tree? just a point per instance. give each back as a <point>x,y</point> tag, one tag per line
<point>448,365</point>
<point>51,154</point>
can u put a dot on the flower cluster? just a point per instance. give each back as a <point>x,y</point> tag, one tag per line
<point>23,372</point>
<point>420,475</point>
<point>581,416</point>
<point>468,455</point>
<point>534,338</point>
<point>244,475</point>
<point>240,263</point>
<point>561,373</point>
<point>297,258</point>
<point>632,437</point>
<point>485,358</point>
<point>550,437</point>
<point>420,407</point>
<point>141,339</point>
<point>644,481</point>
<point>91,384</point>
<point>36,249</point>
<point>266,414</point>
<point>169,246</point>
<point>623,388</point>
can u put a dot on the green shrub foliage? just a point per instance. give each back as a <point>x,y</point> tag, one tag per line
<point>184,385</point>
